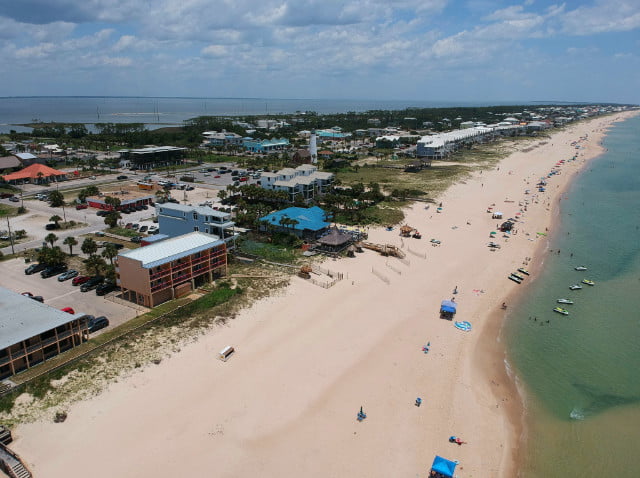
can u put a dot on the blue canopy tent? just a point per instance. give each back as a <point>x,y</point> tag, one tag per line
<point>443,467</point>
<point>448,309</point>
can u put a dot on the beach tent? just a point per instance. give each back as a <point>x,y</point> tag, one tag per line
<point>443,467</point>
<point>448,309</point>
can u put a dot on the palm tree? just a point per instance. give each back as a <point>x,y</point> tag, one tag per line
<point>70,241</point>
<point>95,263</point>
<point>51,238</point>
<point>110,252</point>
<point>89,246</point>
<point>55,219</point>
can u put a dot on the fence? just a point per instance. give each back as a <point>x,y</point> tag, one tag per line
<point>380,276</point>
<point>423,255</point>
<point>397,271</point>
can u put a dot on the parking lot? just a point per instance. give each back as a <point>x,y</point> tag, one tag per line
<point>64,294</point>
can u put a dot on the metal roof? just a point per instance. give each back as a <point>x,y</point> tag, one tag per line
<point>202,210</point>
<point>171,249</point>
<point>23,318</point>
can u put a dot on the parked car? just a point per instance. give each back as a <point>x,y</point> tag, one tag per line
<point>105,288</point>
<point>33,268</point>
<point>143,229</point>
<point>39,298</point>
<point>70,274</point>
<point>92,177</point>
<point>91,284</point>
<point>81,206</point>
<point>129,225</point>
<point>135,226</point>
<point>80,280</point>
<point>189,188</point>
<point>136,239</point>
<point>53,270</point>
<point>52,226</point>
<point>14,199</point>
<point>217,176</point>
<point>99,233</point>
<point>117,245</point>
<point>152,229</point>
<point>5,195</point>
<point>145,207</point>
<point>242,179</point>
<point>121,177</point>
<point>102,212</point>
<point>98,323</point>
<point>68,310</point>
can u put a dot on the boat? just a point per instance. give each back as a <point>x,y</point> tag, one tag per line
<point>515,279</point>
<point>523,270</point>
<point>560,310</point>
<point>517,275</point>
<point>588,282</point>
<point>581,268</point>
<point>575,287</point>
<point>565,301</point>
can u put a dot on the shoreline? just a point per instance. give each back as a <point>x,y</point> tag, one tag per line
<point>516,410</point>
<point>308,358</point>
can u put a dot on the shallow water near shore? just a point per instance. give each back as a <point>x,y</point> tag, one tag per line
<point>580,372</point>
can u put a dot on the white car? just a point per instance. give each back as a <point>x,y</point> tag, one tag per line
<point>152,229</point>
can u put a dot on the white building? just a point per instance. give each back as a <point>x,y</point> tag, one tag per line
<point>304,182</point>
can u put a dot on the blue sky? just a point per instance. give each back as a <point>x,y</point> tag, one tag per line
<point>428,50</point>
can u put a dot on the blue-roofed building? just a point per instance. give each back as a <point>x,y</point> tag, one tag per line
<point>266,145</point>
<point>170,268</point>
<point>307,223</point>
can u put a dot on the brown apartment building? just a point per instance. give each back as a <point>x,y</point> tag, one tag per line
<point>32,332</point>
<point>170,268</point>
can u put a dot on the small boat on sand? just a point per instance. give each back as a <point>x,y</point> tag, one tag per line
<point>588,282</point>
<point>575,287</point>
<point>517,275</point>
<point>581,268</point>
<point>560,310</point>
<point>515,279</point>
<point>565,301</point>
<point>523,270</point>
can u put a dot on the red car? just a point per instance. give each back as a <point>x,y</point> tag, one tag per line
<point>81,206</point>
<point>80,280</point>
<point>243,179</point>
<point>68,310</point>
<point>217,176</point>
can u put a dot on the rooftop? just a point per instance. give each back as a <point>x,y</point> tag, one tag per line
<point>171,249</point>
<point>23,318</point>
<point>202,210</point>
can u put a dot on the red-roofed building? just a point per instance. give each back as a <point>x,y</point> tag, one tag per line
<point>36,173</point>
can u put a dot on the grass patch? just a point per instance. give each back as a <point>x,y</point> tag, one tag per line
<point>6,210</point>
<point>121,231</point>
<point>271,252</point>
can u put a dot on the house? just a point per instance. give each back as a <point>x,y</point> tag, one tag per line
<point>303,182</point>
<point>170,268</point>
<point>224,138</point>
<point>129,198</point>
<point>32,332</point>
<point>36,174</point>
<point>266,145</point>
<point>178,219</point>
<point>307,223</point>
<point>388,141</point>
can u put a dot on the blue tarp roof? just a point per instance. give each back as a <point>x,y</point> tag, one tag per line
<point>443,466</point>
<point>448,306</point>
<point>308,218</point>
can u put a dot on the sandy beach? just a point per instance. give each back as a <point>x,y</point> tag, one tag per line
<point>308,358</point>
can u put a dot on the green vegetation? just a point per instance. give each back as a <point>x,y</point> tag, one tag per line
<point>271,252</point>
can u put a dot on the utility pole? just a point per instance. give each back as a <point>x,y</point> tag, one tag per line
<point>10,235</point>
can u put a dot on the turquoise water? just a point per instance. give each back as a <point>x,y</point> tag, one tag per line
<point>581,373</point>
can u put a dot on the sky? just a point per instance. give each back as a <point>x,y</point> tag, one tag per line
<point>426,50</point>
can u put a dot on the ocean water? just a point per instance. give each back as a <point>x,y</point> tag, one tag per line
<point>158,112</point>
<point>581,373</point>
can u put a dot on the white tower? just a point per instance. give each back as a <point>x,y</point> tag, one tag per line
<point>313,148</point>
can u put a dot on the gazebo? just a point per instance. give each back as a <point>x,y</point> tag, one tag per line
<point>36,173</point>
<point>335,241</point>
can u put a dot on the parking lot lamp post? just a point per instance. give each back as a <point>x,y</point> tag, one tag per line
<point>64,214</point>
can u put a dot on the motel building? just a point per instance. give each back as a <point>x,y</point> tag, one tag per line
<point>32,332</point>
<point>170,268</point>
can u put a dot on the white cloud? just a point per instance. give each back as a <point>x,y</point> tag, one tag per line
<point>603,16</point>
<point>215,51</point>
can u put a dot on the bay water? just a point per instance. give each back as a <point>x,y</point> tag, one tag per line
<point>581,373</point>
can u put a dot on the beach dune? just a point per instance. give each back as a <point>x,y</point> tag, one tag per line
<point>308,358</point>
